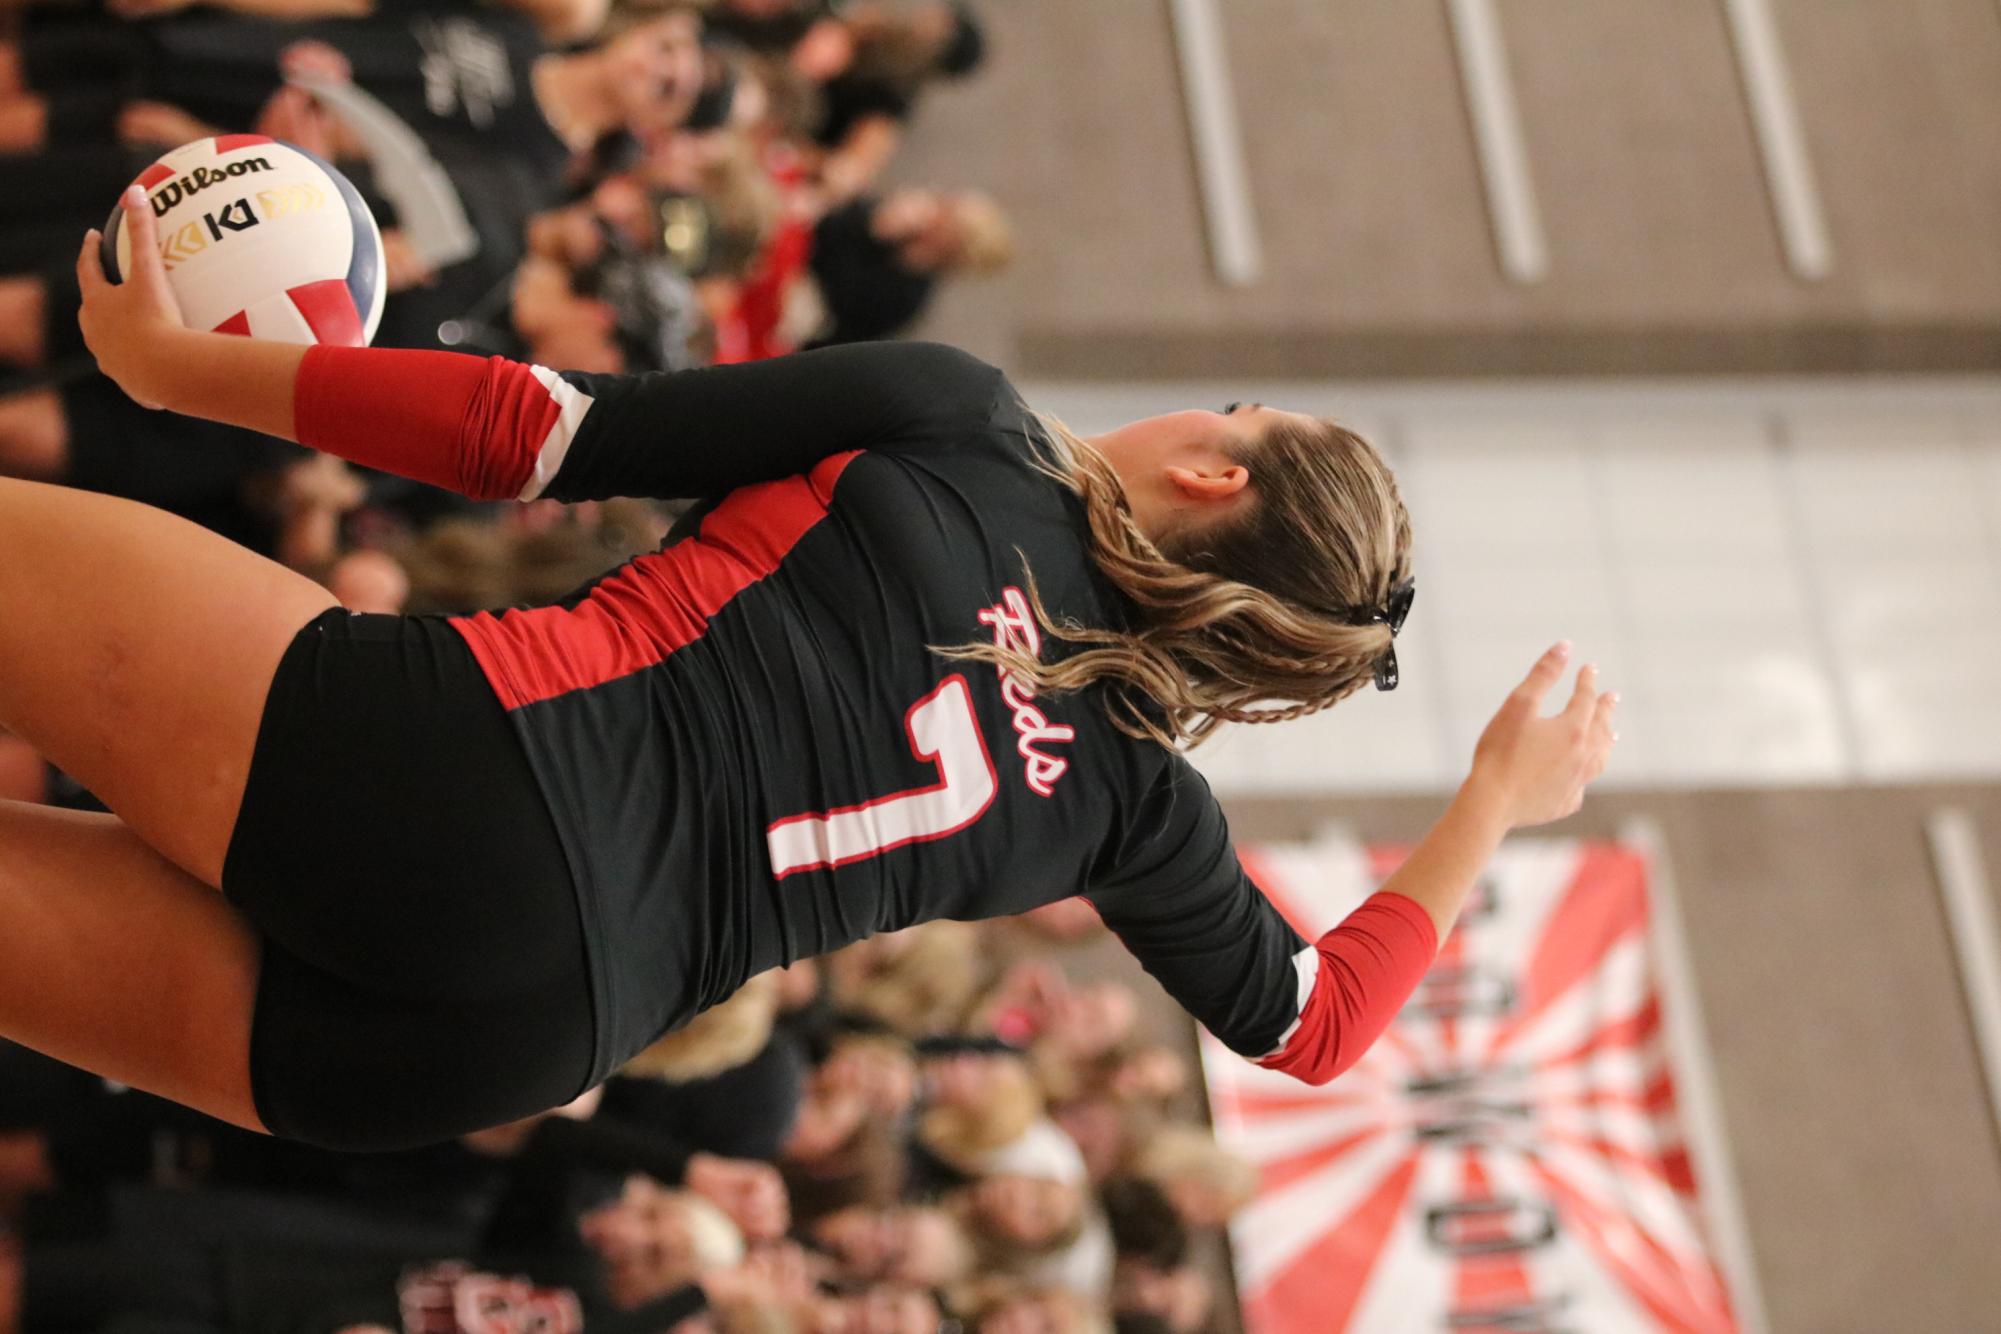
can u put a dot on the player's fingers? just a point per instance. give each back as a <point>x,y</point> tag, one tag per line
<point>1548,670</point>
<point>143,228</point>
<point>1602,736</point>
<point>1584,697</point>
<point>90,264</point>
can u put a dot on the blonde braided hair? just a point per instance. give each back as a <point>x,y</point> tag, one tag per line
<point>1260,619</point>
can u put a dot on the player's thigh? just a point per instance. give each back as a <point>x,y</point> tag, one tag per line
<point>116,961</point>
<point>136,650</point>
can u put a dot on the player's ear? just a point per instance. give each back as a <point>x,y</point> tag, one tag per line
<point>1210,483</point>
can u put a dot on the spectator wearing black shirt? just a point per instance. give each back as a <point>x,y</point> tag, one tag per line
<point>871,76</point>
<point>878,261</point>
<point>446,69</point>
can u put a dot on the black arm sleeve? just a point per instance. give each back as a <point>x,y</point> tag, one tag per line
<point>694,433</point>
<point>1175,895</point>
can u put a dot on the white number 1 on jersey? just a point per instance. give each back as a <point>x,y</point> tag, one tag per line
<point>943,730</point>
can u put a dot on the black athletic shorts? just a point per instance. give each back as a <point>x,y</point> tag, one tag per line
<point>424,969</point>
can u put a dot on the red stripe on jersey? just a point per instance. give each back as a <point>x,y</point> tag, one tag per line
<point>328,309</point>
<point>1369,966</point>
<point>656,604</point>
<point>238,324</point>
<point>468,424</point>
<point>229,143</point>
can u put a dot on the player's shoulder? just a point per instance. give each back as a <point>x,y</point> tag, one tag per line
<point>951,373</point>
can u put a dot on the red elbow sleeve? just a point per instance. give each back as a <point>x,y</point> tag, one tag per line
<point>472,425</point>
<point>1366,969</point>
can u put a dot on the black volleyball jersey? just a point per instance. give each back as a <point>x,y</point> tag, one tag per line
<point>751,743</point>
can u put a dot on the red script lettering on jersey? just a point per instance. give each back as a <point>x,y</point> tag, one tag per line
<point>1013,623</point>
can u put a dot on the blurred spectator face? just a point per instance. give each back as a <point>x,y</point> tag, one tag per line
<point>938,233</point>
<point>570,235</point>
<point>561,328</point>
<point>1180,1296</point>
<point>623,204</point>
<point>1092,1020</point>
<point>1027,1210</point>
<point>824,53</point>
<point>656,71</point>
<point>828,1118</point>
<point>681,162</point>
<point>882,1075</point>
<point>970,1078</point>
<point>939,229</point>
<point>1098,1125</point>
<point>878,1311</point>
<point>651,1241</point>
<point>1151,1074</point>
<point>906,213</point>
<point>369,581</point>
<point>920,1247</point>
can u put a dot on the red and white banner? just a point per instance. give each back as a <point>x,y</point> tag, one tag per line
<point>1508,1157</point>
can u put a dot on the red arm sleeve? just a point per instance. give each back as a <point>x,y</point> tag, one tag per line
<point>1367,968</point>
<point>485,428</point>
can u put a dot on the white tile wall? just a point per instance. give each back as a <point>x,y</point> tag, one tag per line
<point>1788,582</point>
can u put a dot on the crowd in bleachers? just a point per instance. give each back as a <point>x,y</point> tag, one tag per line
<point>934,1129</point>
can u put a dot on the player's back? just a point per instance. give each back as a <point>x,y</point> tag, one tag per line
<point>775,760</point>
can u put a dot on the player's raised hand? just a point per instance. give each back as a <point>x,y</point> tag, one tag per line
<point>1539,767</point>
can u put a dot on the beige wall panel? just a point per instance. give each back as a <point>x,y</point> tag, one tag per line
<point>1368,197</point>
<point>1652,194</point>
<point>1902,107</point>
<point>1380,258</point>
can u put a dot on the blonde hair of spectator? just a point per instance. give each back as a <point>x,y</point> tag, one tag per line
<point>468,565</point>
<point>1186,1162</point>
<point>1001,1253</point>
<point>744,209</point>
<point>917,982</point>
<point>986,237</point>
<point>1249,622</point>
<point>963,1136</point>
<point>720,1038</point>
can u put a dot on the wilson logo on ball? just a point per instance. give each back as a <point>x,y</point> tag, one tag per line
<point>167,196</point>
<point>290,255</point>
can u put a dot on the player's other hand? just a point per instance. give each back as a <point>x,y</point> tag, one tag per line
<point>130,326</point>
<point>1537,768</point>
